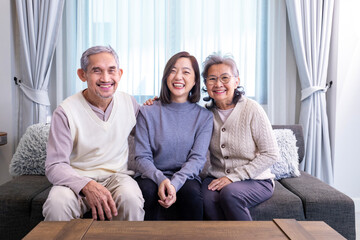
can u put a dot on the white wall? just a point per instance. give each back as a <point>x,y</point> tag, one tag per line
<point>345,98</point>
<point>7,90</point>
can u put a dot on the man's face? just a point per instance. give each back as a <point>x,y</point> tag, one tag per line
<point>102,76</point>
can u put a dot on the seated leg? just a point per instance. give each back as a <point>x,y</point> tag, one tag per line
<point>189,201</point>
<point>237,197</point>
<point>127,196</point>
<point>63,204</point>
<point>212,210</point>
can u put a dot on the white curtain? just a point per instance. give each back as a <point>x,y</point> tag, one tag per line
<point>310,25</point>
<point>146,33</point>
<point>39,26</point>
<point>282,89</point>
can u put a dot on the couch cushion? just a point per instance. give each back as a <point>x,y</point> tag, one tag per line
<point>283,204</point>
<point>36,207</point>
<point>287,164</point>
<point>15,204</point>
<point>30,155</point>
<point>324,203</point>
<point>131,157</point>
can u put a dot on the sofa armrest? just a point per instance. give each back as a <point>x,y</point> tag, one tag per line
<point>322,202</point>
<point>15,204</point>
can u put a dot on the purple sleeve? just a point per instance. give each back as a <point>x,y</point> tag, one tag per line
<point>59,147</point>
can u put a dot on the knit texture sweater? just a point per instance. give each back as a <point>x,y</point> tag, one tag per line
<point>244,146</point>
<point>100,148</point>
<point>171,141</point>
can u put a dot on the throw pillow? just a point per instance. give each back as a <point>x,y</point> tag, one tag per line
<point>30,155</point>
<point>288,162</point>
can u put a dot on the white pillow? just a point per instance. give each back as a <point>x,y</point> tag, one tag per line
<point>288,162</point>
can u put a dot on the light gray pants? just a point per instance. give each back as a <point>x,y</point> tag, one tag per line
<point>63,204</point>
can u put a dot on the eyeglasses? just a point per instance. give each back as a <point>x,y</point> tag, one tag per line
<point>224,78</point>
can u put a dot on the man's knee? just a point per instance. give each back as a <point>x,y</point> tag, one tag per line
<point>61,205</point>
<point>130,205</point>
<point>134,199</point>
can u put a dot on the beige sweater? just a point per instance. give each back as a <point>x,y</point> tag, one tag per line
<point>244,146</point>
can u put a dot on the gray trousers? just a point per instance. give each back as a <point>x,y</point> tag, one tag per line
<point>233,201</point>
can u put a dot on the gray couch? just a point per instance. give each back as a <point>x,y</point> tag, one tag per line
<point>302,198</point>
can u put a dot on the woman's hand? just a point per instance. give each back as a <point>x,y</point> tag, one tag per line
<point>167,194</point>
<point>218,184</point>
<point>150,101</point>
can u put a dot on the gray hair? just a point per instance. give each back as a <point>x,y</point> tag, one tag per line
<point>228,60</point>
<point>217,58</point>
<point>84,61</point>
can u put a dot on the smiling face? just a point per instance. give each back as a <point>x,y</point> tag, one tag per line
<point>181,80</point>
<point>222,93</point>
<point>102,76</point>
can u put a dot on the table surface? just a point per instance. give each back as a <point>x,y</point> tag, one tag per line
<point>276,229</point>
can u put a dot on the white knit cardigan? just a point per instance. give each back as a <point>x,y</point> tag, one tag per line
<point>244,146</point>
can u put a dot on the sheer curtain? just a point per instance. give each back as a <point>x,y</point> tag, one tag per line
<point>283,90</point>
<point>146,33</point>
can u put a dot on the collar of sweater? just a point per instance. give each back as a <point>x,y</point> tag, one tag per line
<point>180,107</point>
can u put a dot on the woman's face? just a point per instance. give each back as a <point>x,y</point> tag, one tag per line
<point>181,80</point>
<point>218,90</point>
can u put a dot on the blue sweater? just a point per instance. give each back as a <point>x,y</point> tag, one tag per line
<point>172,140</point>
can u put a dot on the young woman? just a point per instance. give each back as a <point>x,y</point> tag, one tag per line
<point>171,140</point>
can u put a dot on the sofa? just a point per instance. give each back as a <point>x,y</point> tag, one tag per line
<point>297,195</point>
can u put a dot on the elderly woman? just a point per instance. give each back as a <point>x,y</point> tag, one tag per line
<point>242,147</point>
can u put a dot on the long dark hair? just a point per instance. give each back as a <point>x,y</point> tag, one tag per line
<point>215,59</point>
<point>194,95</point>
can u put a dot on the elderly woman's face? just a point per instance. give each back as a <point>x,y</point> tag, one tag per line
<point>220,85</point>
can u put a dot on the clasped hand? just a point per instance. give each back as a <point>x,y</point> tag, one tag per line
<point>167,194</point>
<point>99,200</point>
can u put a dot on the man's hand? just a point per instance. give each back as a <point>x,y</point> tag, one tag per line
<point>99,200</point>
<point>167,194</point>
<point>218,184</point>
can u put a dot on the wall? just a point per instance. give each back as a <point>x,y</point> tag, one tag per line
<point>7,94</point>
<point>344,99</point>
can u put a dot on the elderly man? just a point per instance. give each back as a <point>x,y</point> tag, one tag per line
<point>87,149</point>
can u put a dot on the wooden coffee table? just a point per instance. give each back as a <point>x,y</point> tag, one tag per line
<point>194,230</point>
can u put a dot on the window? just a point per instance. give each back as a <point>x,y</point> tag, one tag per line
<point>146,33</point>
